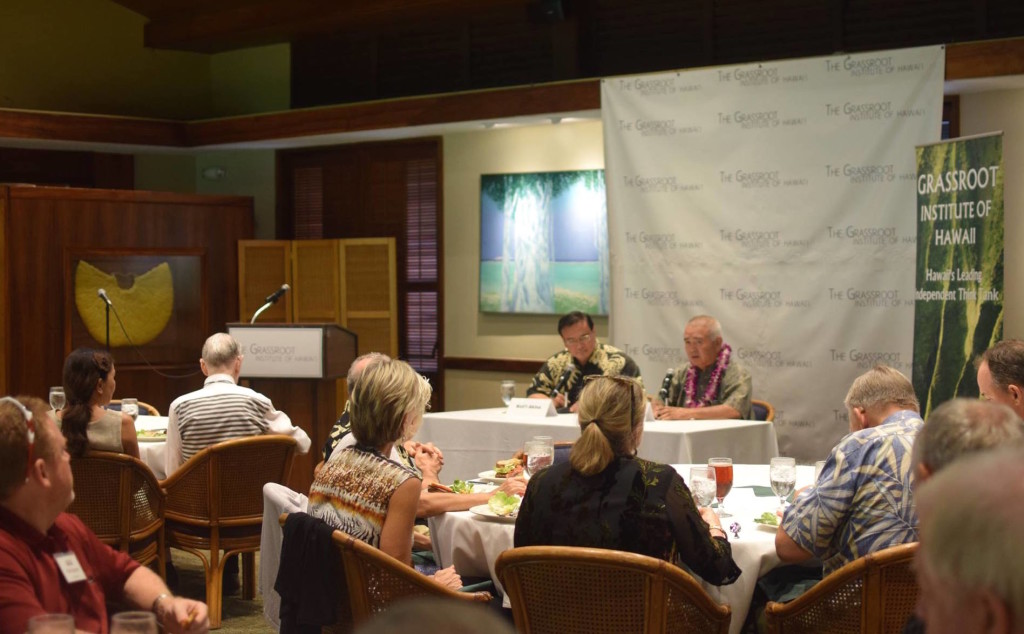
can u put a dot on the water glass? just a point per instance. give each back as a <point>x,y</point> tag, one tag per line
<point>782,473</point>
<point>57,400</point>
<point>130,406</point>
<point>703,485</point>
<point>51,624</point>
<point>723,481</point>
<point>508,391</point>
<point>539,453</point>
<point>133,623</point>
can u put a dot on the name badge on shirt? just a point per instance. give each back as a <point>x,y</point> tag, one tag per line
<point>69,567</point>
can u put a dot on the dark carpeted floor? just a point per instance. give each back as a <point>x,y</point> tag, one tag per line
<point>238,615</point>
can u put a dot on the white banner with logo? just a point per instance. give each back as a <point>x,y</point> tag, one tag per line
<point>780,198</point>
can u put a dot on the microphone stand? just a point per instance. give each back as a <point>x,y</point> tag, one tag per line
<point>260,310</point>
<point>106,308</point>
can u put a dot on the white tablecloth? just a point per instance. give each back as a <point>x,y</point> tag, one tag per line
<point>153,452</point>
<point>473,440</point>
<point>473,543</point>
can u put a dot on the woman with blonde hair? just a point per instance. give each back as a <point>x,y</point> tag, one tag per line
<point>606,497</point>
<point>86,423</point>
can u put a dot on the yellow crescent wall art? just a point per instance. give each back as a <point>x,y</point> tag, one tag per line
<point>145,307</point>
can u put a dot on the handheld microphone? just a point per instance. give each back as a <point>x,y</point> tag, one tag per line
<point>102,294</point>
<point>665,384</point>
<point>562,380</point>
<point>276,295</point>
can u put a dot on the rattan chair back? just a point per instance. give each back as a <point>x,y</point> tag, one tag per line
<point>119,499</point>
<point>555,589</point>
<point>762,410</point>
<point>871,595</point>
<point>376,580</point>
<point>144,408</point>
<point>215,502</point>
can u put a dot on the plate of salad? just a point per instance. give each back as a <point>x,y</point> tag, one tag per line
<point>768,521</point>
<point>501,507</point>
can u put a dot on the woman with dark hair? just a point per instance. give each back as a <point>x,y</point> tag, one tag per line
<point>89,385</point>
<point>606,497</point>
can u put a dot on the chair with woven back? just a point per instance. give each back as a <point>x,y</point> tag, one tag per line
<point>762,410</point>
<point>119,499</point>
<point>215,502</point>
<point>145,409</point>
<point>873,594</point>
<point>555,589</point>
<point>375,580</point>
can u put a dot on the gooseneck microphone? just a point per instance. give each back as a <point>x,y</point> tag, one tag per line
<point>666,383</point>
<point>102,294</point>
<point>562,380</point>
<point>276,295</point>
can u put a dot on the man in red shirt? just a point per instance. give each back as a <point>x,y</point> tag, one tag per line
<point>50,562</point>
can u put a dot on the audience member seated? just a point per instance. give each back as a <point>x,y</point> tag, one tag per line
<point>360,490</point>
<point>1001,374</point>
<point>89,385</point>
<point>50,562</point>
<point>863,500</point>
<point>588,357</point>
<point>606,497</point>
<point>970,567</point>
<point>712,385</point>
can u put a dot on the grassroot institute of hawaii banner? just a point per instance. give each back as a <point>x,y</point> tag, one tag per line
<point>780,198</point>
<point>959,308</point>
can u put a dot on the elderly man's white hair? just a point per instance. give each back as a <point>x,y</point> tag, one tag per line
<point>962,426</point>
<point>971,517</point>
<point>220,350</point>
<point>714,328</point>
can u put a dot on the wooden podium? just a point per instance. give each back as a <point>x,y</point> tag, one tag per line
<point>297,367</point>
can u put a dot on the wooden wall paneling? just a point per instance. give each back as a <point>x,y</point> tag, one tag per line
<point>316,276</point>
<point>45,221</point>
<point>263,266</point>
<point>5,296</point>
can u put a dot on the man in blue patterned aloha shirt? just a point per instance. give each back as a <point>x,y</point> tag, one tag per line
<point>863,499</point>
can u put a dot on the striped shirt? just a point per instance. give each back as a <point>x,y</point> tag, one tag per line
<point>221,411</point>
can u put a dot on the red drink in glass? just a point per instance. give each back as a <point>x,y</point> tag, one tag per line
<point>723,480</point>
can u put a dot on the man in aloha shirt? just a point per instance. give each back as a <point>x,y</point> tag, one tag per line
<point>589,357</point>
<point>863,499</point>
<point>713,385</point>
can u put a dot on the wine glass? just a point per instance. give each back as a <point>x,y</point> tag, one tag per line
<point>723,481</point>
<point>51,624</point>
<point>539,454</point>
<point>137,622</point>
<point>57,399</point>
<point>782,473</point>
<point>508,391</point>
<point>130,406</point>
<point>703,485</point>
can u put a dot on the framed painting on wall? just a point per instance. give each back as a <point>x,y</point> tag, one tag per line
<point>544,243</point>
<point>158,309</point>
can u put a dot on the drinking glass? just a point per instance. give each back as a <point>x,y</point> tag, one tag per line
<point>818,466</point>
<point>782,473</point>
<point>130,406</point>
<point>702,485</point>
<point>57,399</point>
<point>723,481</point>
<point>508,391</point>
<point>133,623</point>
<point>539,454</point>
<point>51,624</point>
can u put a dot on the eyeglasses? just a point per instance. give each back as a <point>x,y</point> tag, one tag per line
<point>30,429</point>
<point>572,341</point>
<point>630,383</point>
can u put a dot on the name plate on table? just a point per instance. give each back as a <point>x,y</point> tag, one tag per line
<point>532,407</point>
<point>648,413</point>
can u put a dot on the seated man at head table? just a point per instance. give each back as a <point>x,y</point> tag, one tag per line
<point>1001,374</point>
<point>712,385</point>
<point>426,459</point>
<point>969,568</point>
<point>561,376</point>
<point>50,562</point>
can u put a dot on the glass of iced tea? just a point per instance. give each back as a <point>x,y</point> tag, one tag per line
<point>723,481</point>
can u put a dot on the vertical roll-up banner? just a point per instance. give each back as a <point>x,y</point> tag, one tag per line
<point>958,311</point>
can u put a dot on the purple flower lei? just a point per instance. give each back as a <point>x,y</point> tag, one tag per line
<point>690,385</point>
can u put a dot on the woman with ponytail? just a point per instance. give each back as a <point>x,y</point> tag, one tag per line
<point>606,497</point>
<point>89,385</point>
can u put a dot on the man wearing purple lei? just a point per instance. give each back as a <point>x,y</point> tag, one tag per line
<point>712,385</point>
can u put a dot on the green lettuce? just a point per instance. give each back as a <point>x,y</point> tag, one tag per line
<point>503,504</point>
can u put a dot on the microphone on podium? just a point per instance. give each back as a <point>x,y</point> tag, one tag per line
<point>276,295</point>
<point>666,383</point>
<point>562,380</point>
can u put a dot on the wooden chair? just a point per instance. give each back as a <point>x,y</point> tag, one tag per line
<point>215,502</point>
<point>562,450</point>
<point>375,580</point>
<point>119,499</point>
<point>762,410</point>
<point>873,594</point>
<point>567,589</point>
<point>145,409</point>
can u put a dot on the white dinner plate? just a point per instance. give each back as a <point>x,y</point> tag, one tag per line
<point>484,488</point>
<point>162,438</point>
<point>484,511</point>
<point>490,476</point>
<point>767,527</point>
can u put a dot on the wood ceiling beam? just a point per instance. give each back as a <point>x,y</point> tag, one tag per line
<point>60,126</point>
<point>991,58</point>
